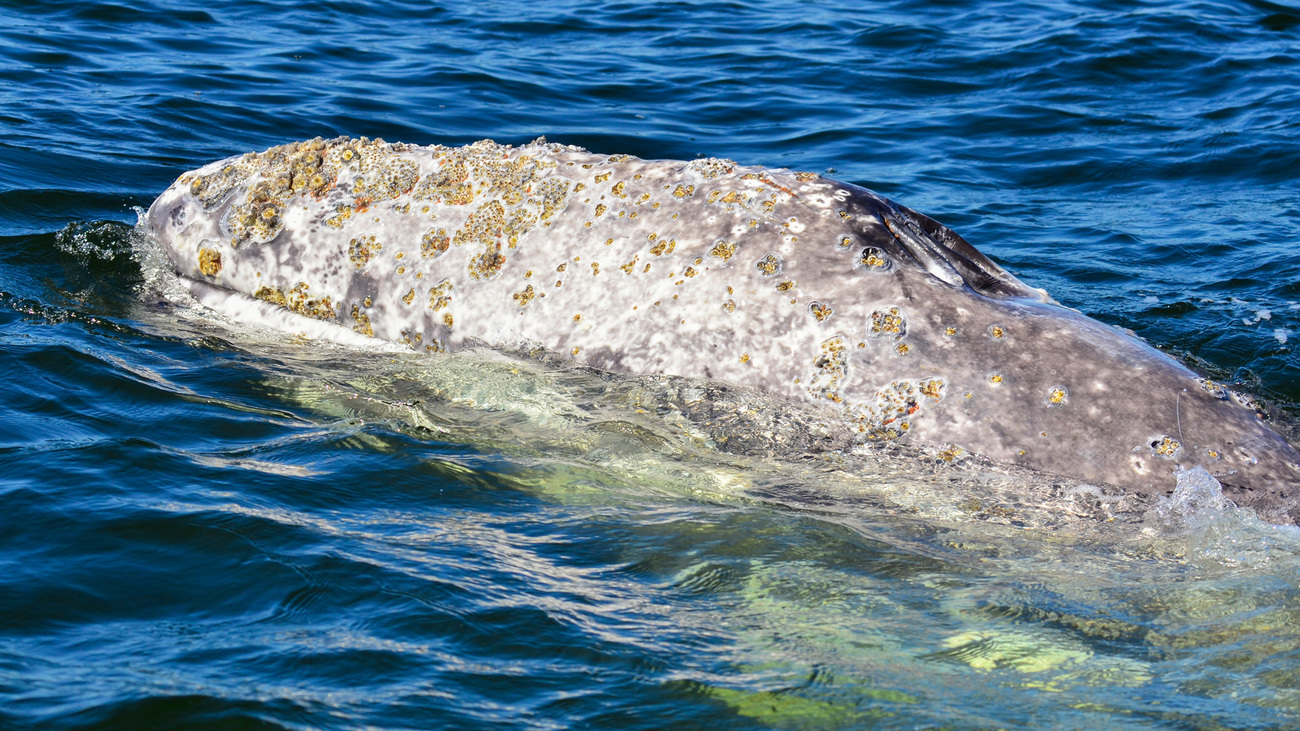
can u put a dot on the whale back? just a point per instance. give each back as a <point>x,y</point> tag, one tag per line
<point>812,289</point>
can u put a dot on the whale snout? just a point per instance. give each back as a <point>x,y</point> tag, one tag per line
<point>166,220</point>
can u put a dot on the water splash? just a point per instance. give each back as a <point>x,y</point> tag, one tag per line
<point>105,240</point>
<point>1197,499</point>
<point>1198,524</point>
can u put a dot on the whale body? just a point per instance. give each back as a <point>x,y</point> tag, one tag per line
<point>788,282</point>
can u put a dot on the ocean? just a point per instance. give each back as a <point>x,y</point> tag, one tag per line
<point>209,525</point>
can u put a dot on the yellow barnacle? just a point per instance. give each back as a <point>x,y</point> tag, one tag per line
<point>769,265</point>
<point>524,296</point>
<point>1166,446</point>
<point>209,262</point>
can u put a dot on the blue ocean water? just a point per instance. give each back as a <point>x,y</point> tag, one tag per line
<point>203,526</point>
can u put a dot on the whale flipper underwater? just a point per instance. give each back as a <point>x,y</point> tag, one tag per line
<point>798,285</point>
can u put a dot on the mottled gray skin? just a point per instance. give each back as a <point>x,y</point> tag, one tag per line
<point>665,267</point>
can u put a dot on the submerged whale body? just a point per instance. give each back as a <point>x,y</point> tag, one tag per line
<point>801,286</point>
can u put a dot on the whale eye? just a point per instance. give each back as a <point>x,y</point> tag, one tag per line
<point>874,259</point>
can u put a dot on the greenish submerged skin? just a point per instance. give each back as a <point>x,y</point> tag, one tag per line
<point>801,286</point>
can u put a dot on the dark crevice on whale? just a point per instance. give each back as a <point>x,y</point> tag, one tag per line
<point>940,250</point>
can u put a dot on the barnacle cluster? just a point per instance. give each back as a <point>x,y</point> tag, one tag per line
<point>873,258</point>
<point>297,300</point>
<point>890,415</point>
<point>712,167</point>
<point>298,168</point>
<point>723,250</point>
<point>769,265</point>
<point>440,295</point>
<point>434,242</point>
<point>888,322</point>
<point>830,369</point>
<point>362,249</point>
<point>362,321</point>
<point>209,261</point>
<point>1165,446</point>
<point>820,311</point>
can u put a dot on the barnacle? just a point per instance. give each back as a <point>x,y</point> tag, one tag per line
<point>209,262</point>
<point>888,322</point>
<point>769,265</point>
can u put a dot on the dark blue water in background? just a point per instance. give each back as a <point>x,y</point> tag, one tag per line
<point>204,531</point>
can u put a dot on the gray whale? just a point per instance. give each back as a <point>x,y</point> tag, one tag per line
<point>784,281</point>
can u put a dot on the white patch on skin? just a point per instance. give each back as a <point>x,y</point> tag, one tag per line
<point>239,307</point>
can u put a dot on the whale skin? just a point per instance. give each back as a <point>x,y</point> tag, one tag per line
<point>803,287</point>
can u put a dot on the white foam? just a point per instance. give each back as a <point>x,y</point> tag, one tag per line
<point>1203,527</point>
<point>1260,315</point>
<point>1197,498</point>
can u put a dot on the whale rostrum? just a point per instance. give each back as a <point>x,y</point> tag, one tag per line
<point>788,282</point>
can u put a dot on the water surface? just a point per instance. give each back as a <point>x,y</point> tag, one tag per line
<point>210,526</point>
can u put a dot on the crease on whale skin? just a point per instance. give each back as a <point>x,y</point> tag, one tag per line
<point>800,286</point>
